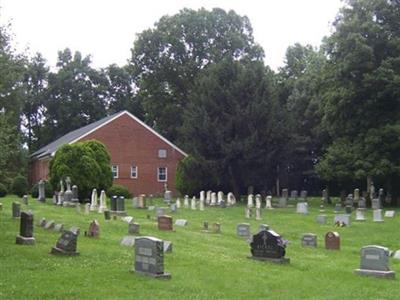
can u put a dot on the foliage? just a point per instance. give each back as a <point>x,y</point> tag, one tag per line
<point>167,59</point>
<point>3,190</point>
<point>119,190</point>
<point>20,186</point>
<point>48,190</point>
<point>233,123</point>
<point>86,163</point>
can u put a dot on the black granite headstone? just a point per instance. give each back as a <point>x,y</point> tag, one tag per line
<point>66,244</point>
<point>25,236</point>
<point>268,245</point>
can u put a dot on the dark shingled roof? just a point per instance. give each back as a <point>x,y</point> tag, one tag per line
<point>69,137</point>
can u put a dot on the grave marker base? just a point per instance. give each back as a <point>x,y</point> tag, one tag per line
<point>118,213</point>
<point>165,275</point>
<point>379,274</point>
<point>283,260</point>
<point>60,252</point>
<point>21,240</point>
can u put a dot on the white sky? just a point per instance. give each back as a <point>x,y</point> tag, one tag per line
<point>106,29</point>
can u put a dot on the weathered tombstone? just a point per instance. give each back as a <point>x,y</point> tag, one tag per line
<point>76,230</point>
<point>396,255</point>
<point>67,193</point>
<point>55,197</point>
<point>220,197</point>
<point>381,196</point>
<point>59,227</point>
<point>231,200</point>
<point>248,212</point>
<point>325,196</point>
<point>60,198</point>
<point>302,208</point>
<point>258,213</point>
<point>120,207</point>
<point>303,195</point>
<point>222,204</point>
<point>128,241</point>
<point>181,222</point>
<point>376,203</point>
<point>342,219</point>
<point>258,201</point>
<point>173,208</point>
<point>75,198</point>
<point>362,203</point>
<point>293,195</point>
<point>103,202</point>
<point>348,209</point>
<point>208,197</point>
<point>243,230</point>
<point>93,202</point>
<point>356,195</point>
<point>50,225</point>
<point>42,222</point>
<point>268,202</point>
<point>216,228</point>
<point>87,208</point>
<point>149,257</point>
<point>127,219</point>
<point>78,207</point>
<point>269,246</point>
<point>338,208</point>
<point>263,227</point>
<point>250,201</point>
<point>213,199</point>
<point>309,240</point>
<point>134,228</point>
<point>41,190</point>
<point>25,199</point>
<point>349,200</point>
<point>25,236</point>
<point>186,201</point>
<point>332,240</point>
<point>390,213</point>
<point>165,223</point>
<point>321,219</point>
<point>282,202</point>
<point>193,204</point>
<point>160,211</point>
<point>201,204</point>
<point>202,196</point>
<point>16,210</point>
<point>375,262</point>
<point>167,247</point>
<point>107,215</point>
<point>142,203</point>
<point>167,197</point>
<point>377,214</point>
<point>94,229</point>
<point>178,203</point>
<point>360,214</point>
<point>66,244</point>
<point>285,194</point>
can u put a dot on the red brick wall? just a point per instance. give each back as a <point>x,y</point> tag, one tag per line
<point>39,169</point>
<point>129,143</point>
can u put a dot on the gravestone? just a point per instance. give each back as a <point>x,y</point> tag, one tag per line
<point>66,244</point>
<point>16,210</point>
<point>213,199</point>
<point>25,236</point>
<point>134,228</point>
<point>381,196</point>
<point>349,200</point>
<point>93,201</point>
<point>377,214</point>
<point>285,194</point>
<point>338,208</point>
<point>107,215</point>
<point>356,195</point>
<point>59,227</point>
<point>375,262</point>
<point>303,196</point>
<point>269,246</point>
<point>309,240</point>
<point>127,219</point>
<point>216,228</point>
<point>390,214</point>
<point>321,219</point>
<point>360,214</point>
<point>268,202</point>
<point>167,247</point>
<point>348,209</point>
<point>193,204</point>
<point>243,230</point>
<point>50,225</point>
<point>181,222</point>
<point>103,202</point>
<point>222,204</point>
<point>396,255</point>
<point>67,193</point>
<point>25,199</point>
<point>78,207</point>
<point>248,212</point>
<point>220,197</point>
<point>282,202</point>
<point>75,198</point>
<point>302,208</point>
<point>165,223</point>
<point>258,201</point>
<point>76,230</point>
<point>325,196</point>
<point>142,201</point>
<point>258,213</point>
<point>173,208</point>
<point>250,201</point>
<point>293,195</point>
<point>231,200</point>
<point>376,203</point>
<point>41,190</point>
<point>167,197</point>
<point>362,203</point>
<point>94,229</point>
<point>118,206</point>
<point>342,219</point>
<point>60,196</point>
<point>201,204</point>
<point>332,240</point>
<point>160,211</point>
<point>149,257</point>
<point>208,197</point>
<point>128,241</point>
<point>42,222</point>
<point>263,227</point>
<point>87,208</point>
<point>186,201</point>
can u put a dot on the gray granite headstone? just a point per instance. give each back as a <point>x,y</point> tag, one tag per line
<point>66,244</point>
<point>390,213</point>
<point>75,194</point>
<point>134,228</point>
<point>340,218</point>
<point>50,225</point>
<point>302,208</point>
<point>338,208</point>
<point>59,227</point>
<point>376,203</point>
<point>25,199</point>
<point>173,208</point>
<point>375,262</point>
<point>362,203</point>
<point>128,241</point>
<point>243,230</point>
<point>41,190</point>
<point>360,214</point>
<point>181,222</point>
<point>168,197</point>
<point>309,239</point>
<point>149,257</point>
<point>321,219</point>
<point>25,236</point>
<point>263,227</point>
<point>167,247</point>
<point>377,214</point>
<point>16,209</point>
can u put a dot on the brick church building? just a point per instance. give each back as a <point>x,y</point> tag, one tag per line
<point>141,159</point>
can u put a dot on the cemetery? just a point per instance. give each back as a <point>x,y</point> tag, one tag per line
<point>218,253</point>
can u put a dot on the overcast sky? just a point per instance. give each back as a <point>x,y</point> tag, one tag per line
<point>106,29</point>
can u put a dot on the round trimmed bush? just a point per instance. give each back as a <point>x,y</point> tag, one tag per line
<point>3,190</point>
<point>19,186</point>
<point>48,190</point>
<point>119,190</point>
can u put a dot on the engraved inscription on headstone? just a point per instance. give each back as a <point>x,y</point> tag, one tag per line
<point>375,262</point>
<point>268,245</point>
<point>332,240</point>
<point>309,239</point>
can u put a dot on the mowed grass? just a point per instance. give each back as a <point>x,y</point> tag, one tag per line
<point>203,266</point>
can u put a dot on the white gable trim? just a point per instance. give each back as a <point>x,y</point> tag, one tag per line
<point>138,121</point>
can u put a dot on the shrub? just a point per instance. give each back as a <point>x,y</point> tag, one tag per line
<point>3,190</point>
<point>20,186</point>
<point>119,190</point>
<point>48,190</point>
<point>86,163</point>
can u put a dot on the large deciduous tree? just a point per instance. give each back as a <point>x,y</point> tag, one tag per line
<point>232,124</point>
<point>362,99</point>
<point>167,59</point>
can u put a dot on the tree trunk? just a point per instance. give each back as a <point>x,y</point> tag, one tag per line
<point>278,188</point>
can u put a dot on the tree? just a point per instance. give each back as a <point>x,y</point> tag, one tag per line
<point>167,59</point>
<point>86,163</point>
<point>233,124</point>
<point>76,96</point>
<point>361,108</point>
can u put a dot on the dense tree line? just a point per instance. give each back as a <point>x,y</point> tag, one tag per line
<point>328,117</point>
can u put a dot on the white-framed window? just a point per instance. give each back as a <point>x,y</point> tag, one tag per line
<point>162,174</point>
<point>134,172</point>
<point>114,170</point>
<point>162,153</point>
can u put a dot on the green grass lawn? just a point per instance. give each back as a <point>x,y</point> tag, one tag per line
<point>203,266</point>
